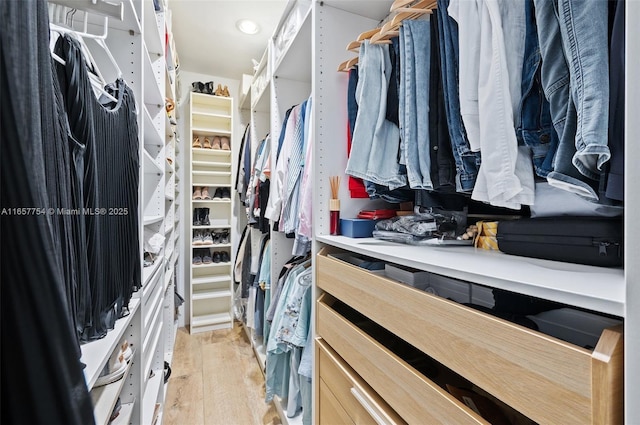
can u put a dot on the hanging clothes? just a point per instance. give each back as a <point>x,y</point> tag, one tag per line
<point>110,133</point>
<point>42,378</point>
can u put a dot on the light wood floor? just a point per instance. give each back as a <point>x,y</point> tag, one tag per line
<point>215,380</point>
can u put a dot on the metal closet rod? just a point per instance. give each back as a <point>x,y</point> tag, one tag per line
<point>101,7</point>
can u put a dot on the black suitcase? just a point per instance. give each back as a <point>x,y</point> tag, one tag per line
<point>582,240</point>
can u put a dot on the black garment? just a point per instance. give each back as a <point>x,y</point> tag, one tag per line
<point>109,132</point>
<point>443,166</point>
<point>263,199</point>
<point>393,90</point>
<point>42,379</point>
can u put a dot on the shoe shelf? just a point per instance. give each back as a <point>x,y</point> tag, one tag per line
<point>152,22</point>
<point>210,319</point>
<point>211,265</point>
<point>151,219</point>
<point>210,294</point>
<point>219,245</point>
<point>211,152</point>
<point>105,397</point>
<point>211,286</point>
<point>150,271</point>
<point>211,201</point>
<point>152,136</point>
<point>124,417</point>
<point>152,389</point>
<point>150,165</point>
<point>95,354</point>
<point>208,164</point>
<point>210,279</point>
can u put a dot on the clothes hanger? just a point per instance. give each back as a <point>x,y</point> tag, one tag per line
<point>348,64</point>
<point>95,77</point>
<point>414,11</point>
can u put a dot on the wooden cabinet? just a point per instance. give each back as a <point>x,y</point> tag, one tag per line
<point>544,378</point>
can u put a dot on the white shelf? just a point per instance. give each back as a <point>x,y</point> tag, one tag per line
<point>152,136</point>
<point>104,398</point>
<point>96,353</point>
<point>150,219</point>
<point>210,319</point>
<point>211,114</point>
<point>149,272</point>
<point>210,164</point>
<point>213,174</point>
<point>208,131</point>
<point>152,92</point>
<point>210,294</point>
<point>167,279</point>
<point>594,288</point>
<point>220,245</point>
<point>152,37</point>
<point>295,61</point>
<point>150,166</point>
<point>211,201</point>
<point>210,279</point>
<point>204,266</point>
<point>148,362</point>
<point>211,152</point>
<point>151,395</point>
<point>124,418</point>
<point>213,226</point>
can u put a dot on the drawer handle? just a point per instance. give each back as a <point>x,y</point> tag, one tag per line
<point>375,413</point>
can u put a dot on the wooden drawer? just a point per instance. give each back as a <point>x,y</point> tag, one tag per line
<point>546,379</point>
<point>338,383</point>
<point>414,397</point>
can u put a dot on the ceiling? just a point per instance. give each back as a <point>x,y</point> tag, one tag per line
<point>208,41</point>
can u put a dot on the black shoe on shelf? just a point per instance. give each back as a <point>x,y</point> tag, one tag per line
<point>218,193</point>
<point>196,217</point>
<point>216,257</point>
<point>224,257</point>
<point>226,193</point>
<point>204,217</point>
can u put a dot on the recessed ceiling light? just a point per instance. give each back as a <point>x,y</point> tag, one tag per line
<point>247,26</point>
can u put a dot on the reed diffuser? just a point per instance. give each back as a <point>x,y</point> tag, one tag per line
<point>334,206</point>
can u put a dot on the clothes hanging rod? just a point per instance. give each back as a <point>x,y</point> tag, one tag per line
<point>101,7</point>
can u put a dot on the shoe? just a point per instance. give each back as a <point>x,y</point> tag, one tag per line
<point>196,217</point>
<point>216,143</point>
<point>216,257</point>
<point>224,257</point>
<point>207,143</point>
<point>167,367</point>
<point>225,92</point>
<point>126,351</point>
<point>172,121</point>
<point>219,91</point>
<point>169,105</point>
<point>113,371</point>
<point>197,87</point>
<point>205,193</point>
<point>196,143</point>
<point>224,141</point>
<point>197,238</point>
<point>218,193</point>
<point>206,257</point>
<point>204,217</point>
<point>197,192</point>
<point>207,239</point>
<point>208,87</point>
<point>197,259</point>
<point>148,259</point>
<point>116,410</point>
<point>217,236</point>
<point>226,193</point>
<point>224,238</point>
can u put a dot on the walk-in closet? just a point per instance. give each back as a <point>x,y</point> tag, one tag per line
<point>319,212</point>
